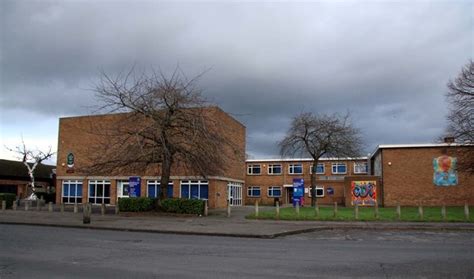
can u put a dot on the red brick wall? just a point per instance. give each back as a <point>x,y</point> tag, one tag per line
<point>408,178</point>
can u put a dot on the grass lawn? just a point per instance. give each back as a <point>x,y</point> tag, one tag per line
<point>430,214</point>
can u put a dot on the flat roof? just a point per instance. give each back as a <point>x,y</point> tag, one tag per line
<point>418,145</point>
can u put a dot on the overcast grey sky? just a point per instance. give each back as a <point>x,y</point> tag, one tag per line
<point>387,63</point>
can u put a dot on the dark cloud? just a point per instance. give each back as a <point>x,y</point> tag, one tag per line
<point>387,63</point>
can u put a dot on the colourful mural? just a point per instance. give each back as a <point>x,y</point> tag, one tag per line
<point>445,171</point>
<point>364,192</point>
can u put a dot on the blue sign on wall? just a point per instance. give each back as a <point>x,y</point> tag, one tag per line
<point>134,186</point>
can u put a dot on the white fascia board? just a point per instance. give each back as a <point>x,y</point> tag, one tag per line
<point>281,160</point>
<point>417,145</point>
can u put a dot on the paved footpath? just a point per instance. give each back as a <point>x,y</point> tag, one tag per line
<point>215,224</point>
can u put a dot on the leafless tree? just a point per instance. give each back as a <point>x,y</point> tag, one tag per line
<point>461,113</point>
<point>321,136</point>
<point>167,124</point>
<point>31,159</point>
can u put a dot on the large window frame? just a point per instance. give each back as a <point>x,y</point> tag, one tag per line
<point>319,191</point>
<point>155,185</point>
<point>317,168</point>
<point>98,190</point>
<point>252,169</point>
<point>72,186</point>
<point>271,191</point>
<point>202,189</point>
<point>292,168</point>
<point>359,165</point>
<point>253,190</point>
<point>336,170</point>
<point>272,167</point>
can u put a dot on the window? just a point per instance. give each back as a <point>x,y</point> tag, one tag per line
<point>72,191</point>
<point>360,167</point>
<point>319,169</point>
<point>194,189</point>
<point>339,168</point>
<point>319,191</point>
<point>122,189</point>
<point>274,169</point>
<point>254,169</point>
<point>274,191</point>
<point>295,169</point>
<point>99,191</point>
<point>253,191</point>
<point>153,187</point>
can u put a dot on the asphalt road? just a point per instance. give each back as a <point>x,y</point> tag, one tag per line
<point>46,252</point>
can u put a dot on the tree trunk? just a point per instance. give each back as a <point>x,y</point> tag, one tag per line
<point>313,184</point>
<point>165,177</point>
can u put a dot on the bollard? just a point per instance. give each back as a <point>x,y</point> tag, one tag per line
<point>316,209</point>
<point>26,206</point>
<point>376,210</point>
<point>61,208</point>
<point>14,206</point>
<point>75,208</point>
<point>399,212</point>
<point>117,209</point>
<point>277,208</point>
<point>335,209</point>
<point>4,205</point>
<point>228,209</point>
<point>102,209</point>
<point>50,206</point>
<point>466,211</point>
<point>443,212</point>
<point>420,212</point>
<point>38,205</point>
<point>86,213</point>
<point>356,211</point>
<point>297,208</point>
<point>256,209</point>
<point>206,207</point>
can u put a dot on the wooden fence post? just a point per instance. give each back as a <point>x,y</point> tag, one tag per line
<point>316,209</point>
<point>356,211</point>
<point>335,209</point>
<point>420,212</point>
<point>256,208</point>
<point>277,208</point>
<point>466,211</point>
<point>376,210</point>
<point>399,212</point>
<point>443,212</point>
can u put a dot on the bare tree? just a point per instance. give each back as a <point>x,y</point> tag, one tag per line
<point>167,124</point>
<point>461,113</point>
<point>31,159</point>
<point>321,136</point>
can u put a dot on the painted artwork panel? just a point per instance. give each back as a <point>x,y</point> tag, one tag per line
<point>364,193</point>
<point>445,173</point>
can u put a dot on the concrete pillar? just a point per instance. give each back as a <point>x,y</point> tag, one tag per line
<point>27,206</point>
<point>86,214</point>
<point>38,205</point>
<point>466,211</point>
<point>420,212</point>
<point>277,209</point>
<point>117,209</point>
<point>206,207</point>
<point>443,212</point>
<point>399,212</point>
<point>50,206</point>
<point>4,205</point>
<point>335,209</point>
<point>376,210</point>
<point>228,208</point>
<point>61,207</point>
<point>102,209</point>
<point>356,211</point>
<point>75,208</point>
<point>14,206</point>
<point>256,209</point>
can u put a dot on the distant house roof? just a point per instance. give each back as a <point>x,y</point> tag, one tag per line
<point>16,169</point>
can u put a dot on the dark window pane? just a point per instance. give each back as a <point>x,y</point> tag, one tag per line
<point>194,191</point>
<point>91,190</point>
<point>100,190</point>
<point>170,191</point>
<point>107,191</point>
<point>79,200</point>
<point>66,190</point>
<point>107,201</point>
<point>204,192</point>
<point>151,191</point>
<point>79,190</point>
<point>185,191</point>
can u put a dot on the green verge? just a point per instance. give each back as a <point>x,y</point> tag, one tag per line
<point>430,214</point>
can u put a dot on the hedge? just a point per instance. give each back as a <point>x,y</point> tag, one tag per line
<point>47,197</point>
<point>136,204</point>
<point>9,197</point>
<point>183,206</point>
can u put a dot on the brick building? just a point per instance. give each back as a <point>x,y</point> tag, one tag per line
<point>269,180</point>
<point>422,173</point>
<point>80,137</point>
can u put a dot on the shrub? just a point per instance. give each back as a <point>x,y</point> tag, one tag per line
<point>47,197</point>
<point>9,198</point>
<point>136,204</point>
<point>183,206</point>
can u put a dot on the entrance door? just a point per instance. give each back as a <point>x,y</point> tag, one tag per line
<point>235,193</point>
<point>289,195</point>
